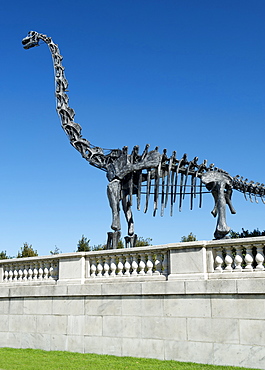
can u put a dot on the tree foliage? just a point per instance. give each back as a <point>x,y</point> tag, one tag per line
<point>56,250</point>
<point>27,251</point>
<point>142,242</point>
<point>3,255</point>
<point>83,245</point>
<point>190,238</point>
<point>246,233</point>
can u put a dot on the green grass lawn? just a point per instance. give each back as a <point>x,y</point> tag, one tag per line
<point>12,359</point>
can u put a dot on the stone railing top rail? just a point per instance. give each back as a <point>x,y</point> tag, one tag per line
<point>254,241</point>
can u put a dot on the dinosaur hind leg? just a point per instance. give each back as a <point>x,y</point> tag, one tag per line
<point>128,213</point>
<point>114,196</point>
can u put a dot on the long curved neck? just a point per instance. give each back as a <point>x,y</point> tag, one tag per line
<point>94,155</point>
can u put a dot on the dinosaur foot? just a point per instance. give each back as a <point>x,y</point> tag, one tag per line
<point>113,239</point>
<point>222,234</point>
<point>130,241</point>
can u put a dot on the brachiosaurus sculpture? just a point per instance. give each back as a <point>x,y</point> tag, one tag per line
<point>146,173</point>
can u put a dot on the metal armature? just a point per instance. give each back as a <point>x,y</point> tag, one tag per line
<point>167,179</point>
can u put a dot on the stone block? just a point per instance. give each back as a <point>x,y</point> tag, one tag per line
<point>52,324</point>
<point>43,341</point>
<point>239,306</point>
<point>163,287</point>
<point>93,289</point>
<point>112,347</point>
<point>75,325</point>
<point>4,323</point>
<point>40,305</point>
<point>14,340</point>
<point>4,338</point>
<point>72,270</point>
<point>103,306</point>
<point>152,348</point>
<point>239,355</point>
<point>94,344</point>
<point>68,306</point>
<point>131,306</point>
<point>4,292</point>
<point>211,286</point>
<point>121,288</point>
<point>152,306</point>
<point>4,305</point>
<point>187,306</point>
<point>16,306</point>
<point>131,326</point>
<point>252,332</point>
<point>22,323</point>
<point>93,325</point>
<point>75,343</point>
<point>146,348</point>
<point>164,328</point>
<point>188,261</point>
<point>132,347</point>
<point>112,326</point>
<point>213,330</point>
<point>58,342</point>
<point>28,340</point>
<point>200,352</point>
<point>251,286</point>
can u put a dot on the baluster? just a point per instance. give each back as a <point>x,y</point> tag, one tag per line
<point>51,271</point>
<point>93,267</point>
<point>10,273</point>
<point>30,272</point>
<point>248,258</point>
<point>165,266</point>
<point>106,266</point>
<point>20,273</point>
<point>25,273</point>
<point>35,271</point>
<point>149,264</point>
<point>228,259</point>
<point>15,273</point>
<point>120,265</point>
<point>158,264</point>
<point>219,261</point>
<point>259,259</point>
<point>56,269</point>
<point>238,259</point>
<point>134,265</point>
<point>5,273</point>
<point>40,270</point>
<point>45,271</point>
<point>100,266</point>
<point>127,265</point>
<point>142,264</point>
<point>113,266</point>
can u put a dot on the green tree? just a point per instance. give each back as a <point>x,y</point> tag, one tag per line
<point>56,250</point>
<point>190,238</point>
<point>142,242</point>
<point>246,233</point>
<point>83,245</point>
<point>3,255</point>
<point>27,251</point>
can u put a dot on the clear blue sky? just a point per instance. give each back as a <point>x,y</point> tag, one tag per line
<point>183,75</point>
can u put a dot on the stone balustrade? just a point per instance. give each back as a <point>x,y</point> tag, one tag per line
<point>186,261</point>
<point>29,269</point>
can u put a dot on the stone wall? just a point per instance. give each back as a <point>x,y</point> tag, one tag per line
<point>212,318</point>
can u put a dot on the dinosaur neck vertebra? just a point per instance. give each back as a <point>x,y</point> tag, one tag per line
<point>96,156</point>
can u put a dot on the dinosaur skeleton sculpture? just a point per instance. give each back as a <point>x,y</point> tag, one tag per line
<point>146,173</point>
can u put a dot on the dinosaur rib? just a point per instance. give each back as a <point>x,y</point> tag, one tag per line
<point>141,174</point>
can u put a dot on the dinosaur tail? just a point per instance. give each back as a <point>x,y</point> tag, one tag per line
<point>249,189</point>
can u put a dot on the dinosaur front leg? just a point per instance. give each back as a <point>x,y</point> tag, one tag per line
<point>222,229</point>
<point>114,196</point>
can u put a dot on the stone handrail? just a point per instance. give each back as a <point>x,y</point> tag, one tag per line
<point>229,258</point>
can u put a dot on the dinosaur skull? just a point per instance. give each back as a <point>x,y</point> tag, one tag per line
<point>31,40</point>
